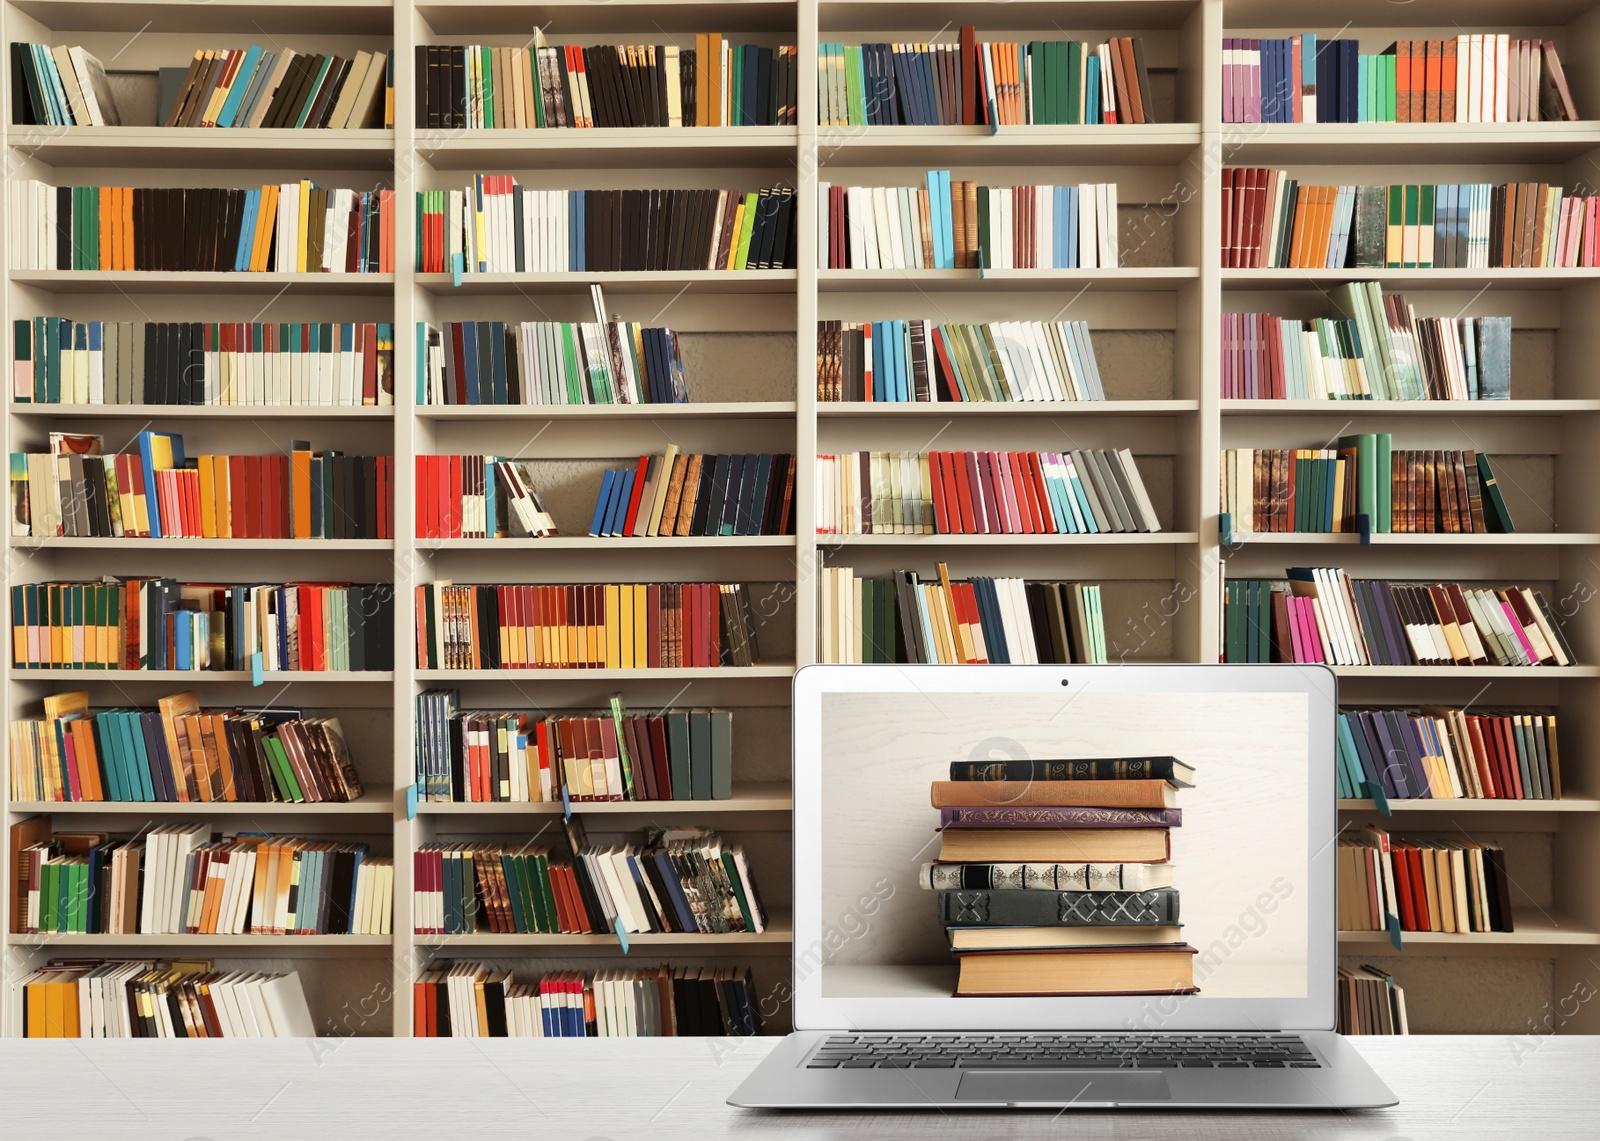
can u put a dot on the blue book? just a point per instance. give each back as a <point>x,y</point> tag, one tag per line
<point>1072,228</point>
<point>241,84</point>
<point>936,219</point>
<point>621,493</point>
<point>132,732</point>
<point>603,504</point>
<point>902,372</point>
<point>575,231</point>
<point>1308,69</point>
<point>1092,112</point>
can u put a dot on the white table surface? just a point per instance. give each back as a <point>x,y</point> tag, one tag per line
<point>1543,1088</point>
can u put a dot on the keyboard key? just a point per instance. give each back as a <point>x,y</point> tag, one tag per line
<point>859,1064</point>
<point>822,1064</point>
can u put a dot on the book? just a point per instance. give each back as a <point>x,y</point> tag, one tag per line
<point>1133,769</point>
<point>1444,752</point>
<point>132,998</point>
<point>1097,846</point>
<point>1006,907</point>
<point>1370,1002</point>
<point>752,496</point>
<point>549,362</point>
<point>1422,884</point>
<point>38,68</point>
<point>1087,793</point>
<point>1054,816</point>
<point>477,497</point>
<point>1078,971</point>
<point>1051,938</point>
<point>1045,877</point>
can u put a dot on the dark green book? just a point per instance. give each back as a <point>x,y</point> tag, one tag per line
<point>1495,514</point>
<point>1169,769</point>
<point>1019,907</point>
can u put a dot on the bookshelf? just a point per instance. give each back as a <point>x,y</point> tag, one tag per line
<point>747,339</point>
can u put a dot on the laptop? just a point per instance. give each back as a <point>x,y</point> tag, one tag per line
<point>1029,944</point>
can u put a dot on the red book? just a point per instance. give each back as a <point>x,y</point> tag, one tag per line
<point>386,497</point>
<point>1433,82</point>
<point>656,728</point>
<point>368,345</point>
<point>952,496</point>
<point>272,496</point>
<point>714,611</point>
<point>1508,753</point>
<point>1402,888</point>
<point>1419,890</point>
<point>242,486</point>
<point>1402,81</point>
<point>974,520</point>
<point>1041,494</point>
<point>1011,517</point>
<point>966,596</point>
<point>639,476</point>
<point>1230,176</point>
<point>1016,488</point>
<point>1027,480</point>
<point>969,75</point>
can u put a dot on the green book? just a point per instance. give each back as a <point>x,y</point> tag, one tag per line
<point>1412,199</point>
<point>1366,449</point>
<point>699,754</point>
<point>1069,107</point>
<point>732,868</point>
<point>1036,75</point>
<point>1263,621</point>
<point>678,754</point>
<point>622,747</point>
<point>985,259</point>
<point>279,759</point>
<point>746,227</point>
<point>520,917</point>
<point>722,753</point>
<point>855,91</point>
<point>486,71</point>
<point>1425,223</point>
<point>1397,221</point>
<point>1495,515</point>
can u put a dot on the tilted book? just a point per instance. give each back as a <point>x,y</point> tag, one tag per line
<point>1024,816</point>
<point>1012,908</point>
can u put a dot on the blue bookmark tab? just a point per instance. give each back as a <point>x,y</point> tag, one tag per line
<point>411,802</point>
<point>1364,528</point>
<point>1393,924</point>
<point>1375,793</point>
<point>622,936</point>
<point>258,675</point>
<point>458,266</point>
<point>1225,528</point>
<point>566,804</point>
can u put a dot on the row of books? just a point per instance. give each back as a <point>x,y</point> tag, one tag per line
<point>1270,220</point>
<point>132,998</point>
<point>60,87</point>
<point>487,756</point>
<point>178,879</point>
<point>928,361</point>
<point>1422,884</point>
<point>164,624</point>
<point>677,493</point>
<point>1472,78</point>
<point>1322,490</point>
<point>548,362</point>
<point>472,1000</point>
<point>1443,753</point>
<point>179,752</point>
<point>585,626</point>
<point>56,360</point>
<point>292,228</point>
<point>712,84</point>
<point>258,87</point>
<point>477,497</point>
<point>498,226</point>
<point>157,493</point>
<point>685,880</point>
<point>1087,491</point>
<point>1267,357</point>
<point>980,620</point>
<point>1053,82</point>
<point>1370,1002</point>
<point>1321,614</point>
<point>961,225</point>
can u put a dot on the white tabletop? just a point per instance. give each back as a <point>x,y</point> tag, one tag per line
<point>1450,1088</point>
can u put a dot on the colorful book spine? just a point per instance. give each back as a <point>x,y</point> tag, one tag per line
<point>704,495</point>
<point>549,362</point>
<point>1446,753</point>
<point>1057,816</point>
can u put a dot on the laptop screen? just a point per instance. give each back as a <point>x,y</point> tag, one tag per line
<point>1106,848</point>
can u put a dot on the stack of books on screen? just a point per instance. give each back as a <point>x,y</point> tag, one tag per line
<point>1054,82</point>
<point>677,880</point>
<point>1321,614</point>
<point>57,360</point>
<point>712,84</point>
<point>179,752</point>
<point>499,226</point>
<point>515,626</point>
<point>1370,1002</point>
<point>293,228</point>
<point>1477,78</point>
<point>1270,220</point>
<point>682,494</point>
<point>1435,491</point>
<point>977,620</point>
<point>277,87</point>
<point>481,756</point>
<point>478,497</point>
<point>961,225</point>
<point>1424,884</point>
<point>1441,753</point>
<point>177,879</point>
<point>1089,491</point>
<point>1052,876</point>
<point>548,362</point>
<point>164,624</point>
<point>928,361</point>
<point>1379,349</point>
<point>60,87</point>
<point>472,1000</point>
<point>154,492</point>
<point>129,998</point>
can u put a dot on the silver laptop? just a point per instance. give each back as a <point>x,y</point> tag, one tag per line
<point>1169,943</point>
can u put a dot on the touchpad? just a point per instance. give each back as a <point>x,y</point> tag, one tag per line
<point>1062,1087</point>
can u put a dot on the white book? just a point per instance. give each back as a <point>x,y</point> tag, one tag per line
<point>880,254</point>
<point>1502,76</point>
<point>1088,240</point>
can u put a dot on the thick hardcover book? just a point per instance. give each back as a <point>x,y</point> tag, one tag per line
<point>1078,971</point>
<point>1014,908</point>
<point>1045,877</point>
<point>1057,816</point>
<point>1169,769</point>
<point>1100,793</point>
<point>1060,845</point>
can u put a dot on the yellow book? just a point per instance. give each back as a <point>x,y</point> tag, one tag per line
<point>641,626</point>
<point>304,221</point>
<point>733,246</point>
<point>208,498</point>
<point>261,243</point>
<point>625,627</point>
<point>219,493</point>
<point>613,626</point>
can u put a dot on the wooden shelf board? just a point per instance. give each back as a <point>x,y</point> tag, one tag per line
<point>1141,144</point>
<point>716,410</point>
<point>1392,279</point>
<point>700,281</point>
<point>63,542</point>
<point>371,17</point>
<point>1465,804</point>
<point>1389,539</point>
<point>1002,280</point>
<point>779,934</point>
<point>1411,142</point>
<point>844,409</point>
<point>1534,928</point>
<point>746,798</point>
<point>232,148</point>
<point>708,673</point>
<point>608,147</point>
<point>266,946</point>
<point>1468,673</point>
<point>205,411</point>
<point>1450,408</point>
<point>1134,539</point>
<point>370,805</point>
<point>87,281</point>
<point>454,18</point>
<point>595,543</point>
<point>313,676</point>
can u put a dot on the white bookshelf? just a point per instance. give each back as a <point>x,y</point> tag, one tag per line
<point>1155,321</point>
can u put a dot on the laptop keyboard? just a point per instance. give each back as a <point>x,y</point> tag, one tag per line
<point>1062,1051</point>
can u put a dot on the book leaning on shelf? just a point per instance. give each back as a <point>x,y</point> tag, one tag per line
<point>517,626</point>
<point>931,361</point>
<point>979,620</point>
<point>179,753</point>
<point>472,1000</point>
<point>1473,78</point>
<point>1321,614</point>
<point>478,497</point>
<point>131,998</point>
<point>1090,491</point>
<point>548,362</point>
<point>60,87</point>
<point>1272,221</point>
<point>1055,82</point>
<point>675,880</point>
<point>1370,1002</point>
<point>499,226</point>
<point>681,494</point>
<point>961,225</point>
<point>484,756</point>
<point>1439,753</point>
<point>75,491</point>
<point>292,228</point>
<point>712,84</point>
<point>56,360</point>
<point>1422,885</point>
<point>259,87</point>
<point>164,624</point>
<point>178,879</point>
